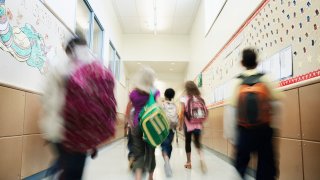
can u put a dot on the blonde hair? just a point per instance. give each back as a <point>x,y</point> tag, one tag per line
<point>144,79</point>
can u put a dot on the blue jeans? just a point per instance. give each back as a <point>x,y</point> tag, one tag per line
<point>167,144</point>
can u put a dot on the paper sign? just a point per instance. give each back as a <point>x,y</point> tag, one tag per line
<point>286,62</point>
<point>275,67</point>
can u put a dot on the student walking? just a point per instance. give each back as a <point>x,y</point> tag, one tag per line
<point>172,114</point>
<point>192,115</point>
<point>79,109</point>
<point>144,157</point>
<point>252,101</point>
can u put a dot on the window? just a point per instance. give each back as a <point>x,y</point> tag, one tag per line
<point>84,16</point>
<point>97,43</point>
<point>90,27</point>
<point>114,61</point>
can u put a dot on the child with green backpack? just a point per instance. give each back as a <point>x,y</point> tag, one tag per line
<point>143,98</point>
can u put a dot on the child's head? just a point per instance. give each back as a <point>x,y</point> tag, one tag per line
<point>144,79</point>
<point>169,94</point>
<point>192,89</point>
<point>249,59</point>
<point>73,43</point>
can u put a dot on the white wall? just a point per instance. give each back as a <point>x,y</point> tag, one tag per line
<point>204,48</point>
<point>156,47</point>
<point>65,10</point>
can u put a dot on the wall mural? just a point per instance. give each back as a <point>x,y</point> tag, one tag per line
<point>20,26</point>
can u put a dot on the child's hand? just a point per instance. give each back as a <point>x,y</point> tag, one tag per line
<point>94,153</point>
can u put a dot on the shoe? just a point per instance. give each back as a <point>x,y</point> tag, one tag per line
<point>203,167</point>
<point>188,165</point>
<point>167,169</point>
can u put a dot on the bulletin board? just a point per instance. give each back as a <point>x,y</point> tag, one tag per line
<point>31,38</point>
<point>286,35</point>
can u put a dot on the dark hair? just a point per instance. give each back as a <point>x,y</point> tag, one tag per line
<point>192,89</point>
<point>74,42</point>
<point>169,94</point>
<point>249,58</point>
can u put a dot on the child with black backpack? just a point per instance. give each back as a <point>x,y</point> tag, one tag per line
<point>253,115</point>
<point>171,112</point>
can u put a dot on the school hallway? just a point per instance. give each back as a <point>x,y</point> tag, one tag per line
<point>112,163</point>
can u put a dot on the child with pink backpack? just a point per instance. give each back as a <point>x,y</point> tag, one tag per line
<point>192,115</point>
<point>79,109</point>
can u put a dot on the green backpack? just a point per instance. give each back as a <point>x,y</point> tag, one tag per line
<point>153,122</point>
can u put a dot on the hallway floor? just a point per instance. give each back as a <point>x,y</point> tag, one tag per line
<point>112,163</point>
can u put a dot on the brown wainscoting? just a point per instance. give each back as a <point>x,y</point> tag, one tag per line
<point>290,125</point>
<point>231,150</point>
<point>310,112</point>
<point>10,157</point>
<point>217,124</point>
<point>23,151</point>
<point>311,160</point>
<point>290,159</point>
<point>12,104</point>
<point>32,114</point>
<point>36,155</point>
<point>219,142</point>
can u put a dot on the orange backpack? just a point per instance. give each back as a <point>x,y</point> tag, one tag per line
<point>254,108</point>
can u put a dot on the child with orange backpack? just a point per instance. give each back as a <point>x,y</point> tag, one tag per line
<point>252,103</point>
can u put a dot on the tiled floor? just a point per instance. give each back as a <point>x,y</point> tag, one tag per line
<point>112,164</point>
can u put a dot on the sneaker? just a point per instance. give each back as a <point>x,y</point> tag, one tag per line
<point>167,169</point>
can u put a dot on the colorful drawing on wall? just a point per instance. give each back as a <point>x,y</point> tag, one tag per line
<point>24,43</point>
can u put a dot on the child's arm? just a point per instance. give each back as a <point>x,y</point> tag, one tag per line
<point>181,116</point>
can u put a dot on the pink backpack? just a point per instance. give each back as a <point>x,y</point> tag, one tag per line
<point>90,108</point>
<point>196,110</point>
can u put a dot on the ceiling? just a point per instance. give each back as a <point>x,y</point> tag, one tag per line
<point>171,16</point>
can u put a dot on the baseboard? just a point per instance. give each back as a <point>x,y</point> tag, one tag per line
<point>38,176</point>
<point>251,172</point>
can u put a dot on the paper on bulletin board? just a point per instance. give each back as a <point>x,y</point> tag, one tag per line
<point>275,67</point>
<point>266,66</point>
<point>260,68</point>
<point>286,62</point>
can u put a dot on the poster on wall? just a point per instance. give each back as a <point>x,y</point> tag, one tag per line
<point>275,67</point>
<point>286,62</point>
<point>200,80</point>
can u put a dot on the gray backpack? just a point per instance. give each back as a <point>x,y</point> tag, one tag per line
<point>171,111</point>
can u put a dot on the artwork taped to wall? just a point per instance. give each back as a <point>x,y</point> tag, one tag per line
<point>30,33</point>
<point>286,39</point>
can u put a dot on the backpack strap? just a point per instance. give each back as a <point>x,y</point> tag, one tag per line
<point>251,80</point>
